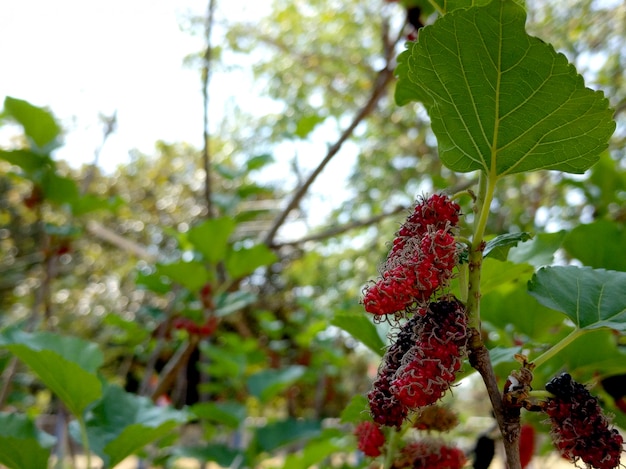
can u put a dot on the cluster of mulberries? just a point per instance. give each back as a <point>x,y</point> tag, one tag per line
<point>421,259</point>
<point>422,363</point>
<point>370,438</point>
<point>429,454</point>
<point>579,428</point>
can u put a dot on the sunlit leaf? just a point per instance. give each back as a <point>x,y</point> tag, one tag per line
<point>259,161</point>
<point>361,328</point>
<point>22,444</point>
<point>246,260</point>
<point>500,100</point>
<point>539,251</point>
<point>597,243</point>
<point>229,413</point>
<point>39,125</point>
<point>192,275</point>
<point>356,410</point>
<point>211,237</point>
<point>66,365</point>
<point>591,298</point>
<point>27,160</point>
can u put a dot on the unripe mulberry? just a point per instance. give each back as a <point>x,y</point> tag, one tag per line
<point>370,438</point>
<point>579,428</point>
<point>429,454</point>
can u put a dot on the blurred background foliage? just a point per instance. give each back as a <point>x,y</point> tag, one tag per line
<point>112,258</point>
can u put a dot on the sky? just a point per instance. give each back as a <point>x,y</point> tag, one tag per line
<point>83,58</point>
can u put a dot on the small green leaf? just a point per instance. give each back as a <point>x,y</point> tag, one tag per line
<point>211,237</point>
<point>22,444</point>
<point>596,244</point>
<point>229,413</point>
<point>307,124</point>
<point>259,161</point>
<point>246,260</point>
<point>498,248</point>
<point>356,410</point>
<point>268,383</point>
<point>39,125</point>
<point>59,189</point>
<point>230,303</point>
<point>66,365</point>
<point>496,274</point>
<point>499,100</point>
<point>361,328</point>
<point>283,432</point>
<point>591,298</point>
<point>191,275</point>
<point>123,423</point>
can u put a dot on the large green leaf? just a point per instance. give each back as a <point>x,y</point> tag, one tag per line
<point>66,365</point>
<point>500,100</point>
<point>191,275</point>
<point>361,328</point>
<point>591,298</point>
<point>597,243</point>
<point>27,160</point>
<point>22,444</point>
<point>39,125</point>
<point>123,423</point>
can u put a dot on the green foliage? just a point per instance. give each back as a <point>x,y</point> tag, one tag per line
<point>499,247</point>
<point>66,365</point>
<point>120,424</point>
<point>22,444</point>
<point>39,125</point>
<point>361,328</point>
<point>506,103</point>
<point>606,237</point>
<point>266,384</point>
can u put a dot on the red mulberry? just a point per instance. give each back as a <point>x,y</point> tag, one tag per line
<point>430,366</point>
<point>414,274</point>
<point>579,428</point>
<point>370,438</point>
<point>429,454</point>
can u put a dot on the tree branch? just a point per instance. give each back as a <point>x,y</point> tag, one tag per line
<point>206,79</point>
<point>383,79</point>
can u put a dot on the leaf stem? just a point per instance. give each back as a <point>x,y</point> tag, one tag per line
<point>437,8</point>
<point>556,348</point>
<point>85,440</point>
<point>391,448</point>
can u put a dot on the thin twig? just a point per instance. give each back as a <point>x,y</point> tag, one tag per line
<point>206,79</point>
<point>178,361</point>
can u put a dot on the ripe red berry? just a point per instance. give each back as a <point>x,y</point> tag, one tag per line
<point>370,438</point>
<point>579,428</point>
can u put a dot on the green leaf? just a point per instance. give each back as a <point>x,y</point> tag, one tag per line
<point>66,365</point>
<point>230,303</point>
<point>211,237</point>
<point>539,251</point>
<point>229,413</point>
<point>39,125</point>
<point>591,298</point>
<point>246,260</point>
<point>362,329</point>
<point>498,248</point>
<point>29,161</point>
<point>191,275</point>
<point>500,100</point>
<point>316,450</point>
<point>22,444</point>
<point>283,432</point>
<point>59,189</point>
<point>596,244</point>
<point>268,383</point>
<point>222,454</point>
<point>306,124</point>
<point>123,423</point>
<point>495,274</point>
<point>356,410</point>
<point>259,161</point>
